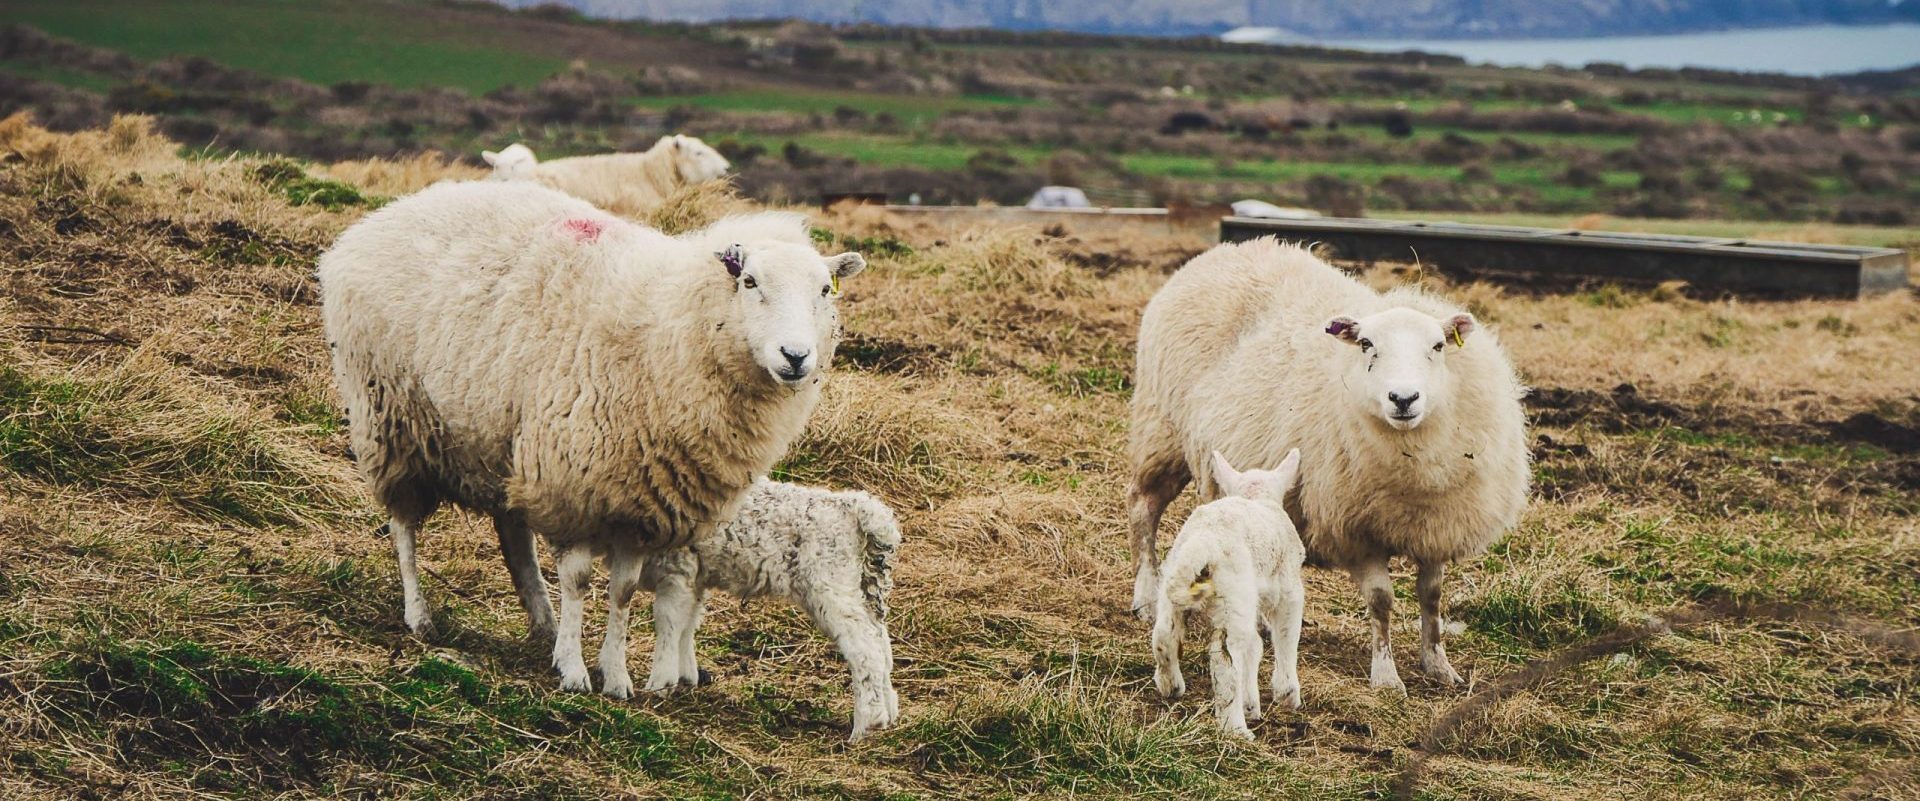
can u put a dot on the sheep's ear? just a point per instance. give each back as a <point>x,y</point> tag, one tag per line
<point>1458,327</point>
<point>1225,476</point>
<point>846,265</point>
<point>679,142</point>
<point>1344,327</point>
<point>1289,470</point>
<point>734,259</point>
<point>492,158</point>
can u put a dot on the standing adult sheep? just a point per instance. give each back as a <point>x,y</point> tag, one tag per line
<point>623,183</point>
<point>516,351</point>
<point>1410,420</point>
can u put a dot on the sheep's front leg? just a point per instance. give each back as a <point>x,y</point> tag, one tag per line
<point>1376,589</point>
<point>862,641</point>
<point>675,615</point>
<point>623,579</point>
<point>1155,484</point>
<point>1169,628</point>
<point>419,620</point>
<point>516,546</point>
<point>1433,654</point>
<point>1283,625</point>
<point>575,565</point>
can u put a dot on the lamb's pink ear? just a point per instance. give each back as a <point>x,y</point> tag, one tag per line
<point>1458,327</point>
<point>846,265</point>
<point>1289,470</point>
<point>734,259</point>
<point>1344,327</point>
<point>492,158</point>
<point>1227,478</point>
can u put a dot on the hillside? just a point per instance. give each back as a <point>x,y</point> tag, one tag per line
<point>194,601</point>
<point>966,116</point>
<point>1323,18</point>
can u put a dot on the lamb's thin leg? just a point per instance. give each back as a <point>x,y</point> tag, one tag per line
<point>675,615</point>
<point>1243,645</point>
<point>1283,625</point>
<point>1169,628</point>
<point>575,565</point>
<point>1376,589</point>
<point>516,545</point>
<point>893,697</point>
<point>1433,654</point>
<point>419,620</point>
<point>623,579</point>
<point>862,642</point>
<point>689,655</point>
<point>1154,486</point>
<point>1227,709</point>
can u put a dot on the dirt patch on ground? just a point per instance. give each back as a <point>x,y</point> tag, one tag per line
<point>1625,409</point>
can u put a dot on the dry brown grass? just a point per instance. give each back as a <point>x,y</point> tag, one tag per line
<point>155,644</point>
<point>394,177</point>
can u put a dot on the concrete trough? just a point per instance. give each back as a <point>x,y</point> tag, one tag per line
<point>1556,257</point>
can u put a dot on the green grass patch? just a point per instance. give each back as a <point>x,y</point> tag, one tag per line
<point>323,41</point>
<point>906,107</point>
<point>65,76</point>
<point>131,431</point>
<point>300,189</point>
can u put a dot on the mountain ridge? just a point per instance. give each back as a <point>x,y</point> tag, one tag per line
<point>1310,18</point>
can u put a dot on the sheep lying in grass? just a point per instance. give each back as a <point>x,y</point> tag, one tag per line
<point>1413,418</point>
<point>831,553</point>
<point>1238,559</point>
<point>521,353</point>
<point>623,183</point>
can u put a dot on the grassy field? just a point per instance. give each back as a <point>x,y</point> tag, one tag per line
<point>194,602</point>
<point>323,41</point>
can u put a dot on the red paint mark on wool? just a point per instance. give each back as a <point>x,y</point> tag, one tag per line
<point>582,229</point>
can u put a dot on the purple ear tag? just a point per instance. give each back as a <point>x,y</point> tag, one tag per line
<point>1339,327</point>
<point>733,258</point>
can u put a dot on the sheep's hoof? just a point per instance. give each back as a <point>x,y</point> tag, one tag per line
<point>619,689</point>
<point>1439,670</point>
<point>702,678</point>
<point>540,635</point>
<point>1288,694</point>
<point>1240,733</point>
<point>1144,612</point>
<point>422,627</point>
<point>573,682</point>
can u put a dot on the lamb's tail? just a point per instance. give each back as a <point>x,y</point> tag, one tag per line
<point>880,535</point>
<point>1188,583</point>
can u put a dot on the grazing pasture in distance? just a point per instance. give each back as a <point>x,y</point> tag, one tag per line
<point>193,599</point>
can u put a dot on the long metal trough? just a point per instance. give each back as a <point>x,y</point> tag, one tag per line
<point>1744,267</point>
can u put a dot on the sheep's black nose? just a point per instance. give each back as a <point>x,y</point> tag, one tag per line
<point>797,360</point>
<point>1400,401</point>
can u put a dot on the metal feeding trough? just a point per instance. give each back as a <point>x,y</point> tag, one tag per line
<point>1503,253</point>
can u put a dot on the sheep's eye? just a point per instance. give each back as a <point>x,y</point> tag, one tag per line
<point>1366,345</point>
<point>748,282</point>
<point>826,291</point>
<point>1438,345</point>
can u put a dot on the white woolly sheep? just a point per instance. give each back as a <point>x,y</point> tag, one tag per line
<point>513,350</point>
<point>1414,421</point>
<point>1238,559</point>
<point>830,553</point>
<point>623,183</point>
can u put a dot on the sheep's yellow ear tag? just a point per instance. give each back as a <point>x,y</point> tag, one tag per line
<point>1458,341</point>
<point>836,285</point>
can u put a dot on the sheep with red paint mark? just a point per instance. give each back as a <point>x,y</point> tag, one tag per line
<point>518,352</point>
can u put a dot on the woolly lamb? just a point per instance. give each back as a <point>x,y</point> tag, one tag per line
<point>516,351</point>
<point>1238,559</point>
<point>623,183</point>
<point>831,553</point>
<point>1414,421</point>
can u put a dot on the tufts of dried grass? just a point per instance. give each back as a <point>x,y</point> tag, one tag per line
<point>697,206</point>
<point>403,176</point>
<point>1012,260</point>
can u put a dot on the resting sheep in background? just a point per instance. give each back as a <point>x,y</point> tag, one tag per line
<point>1238,559</point>
<point>623,183</point>
<point>831,553</point>
<point>516,351</point>
<point>1413,418</point>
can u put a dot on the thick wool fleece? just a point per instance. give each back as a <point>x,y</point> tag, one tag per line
<point>1234,357</point>
<point>507,347</point>
<point>629,183</point>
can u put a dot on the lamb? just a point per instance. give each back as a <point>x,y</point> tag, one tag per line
<point>831,553</point>
<point>623,183</point>
<point>518,352</point>
<point>1237,558</point>
<point>1414,421</point>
